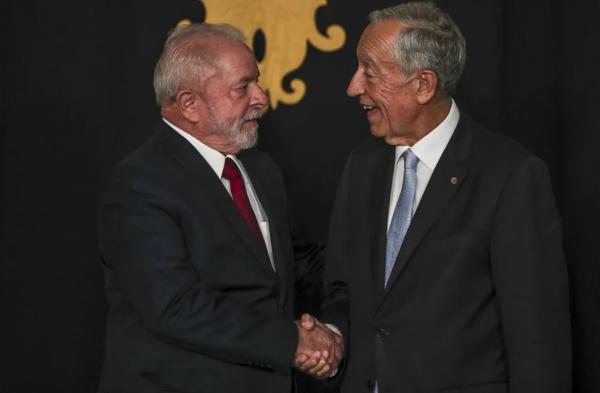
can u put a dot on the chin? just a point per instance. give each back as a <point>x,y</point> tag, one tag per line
<point>377,132</point>
<point>248,139</point>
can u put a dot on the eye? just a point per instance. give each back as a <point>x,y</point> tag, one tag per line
<point>242,88</point>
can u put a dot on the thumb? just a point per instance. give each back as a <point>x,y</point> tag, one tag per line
<point>307,321</point>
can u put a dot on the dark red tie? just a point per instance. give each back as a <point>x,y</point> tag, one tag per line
<point>232,173</point>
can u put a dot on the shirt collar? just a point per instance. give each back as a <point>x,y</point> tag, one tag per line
<point>215,158</point>
<point>429,149</point>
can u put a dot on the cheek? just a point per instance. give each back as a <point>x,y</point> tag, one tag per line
<point>384,96</point>
<point>240,104</point>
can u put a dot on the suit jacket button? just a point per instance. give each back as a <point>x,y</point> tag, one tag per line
<point>382,332</point>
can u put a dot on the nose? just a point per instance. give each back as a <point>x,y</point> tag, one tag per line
<point>356,85</point>
<point>259,97</point>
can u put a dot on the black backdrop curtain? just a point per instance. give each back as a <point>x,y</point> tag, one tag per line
<point>77,95</point>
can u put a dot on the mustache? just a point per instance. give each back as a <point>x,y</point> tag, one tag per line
<point>254,115</point>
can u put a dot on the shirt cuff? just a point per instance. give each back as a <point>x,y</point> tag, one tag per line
<point>334,329</point>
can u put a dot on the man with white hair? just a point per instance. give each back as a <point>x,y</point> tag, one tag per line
<point>445,271</point>
<point>195,238</point>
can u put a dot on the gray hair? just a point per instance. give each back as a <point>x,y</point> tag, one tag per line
<point>188,56</point>
<point>429,40</point>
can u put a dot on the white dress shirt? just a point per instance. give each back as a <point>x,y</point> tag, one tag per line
<point>216,160</point>
<point>428,150</point>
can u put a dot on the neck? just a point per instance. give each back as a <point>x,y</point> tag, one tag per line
<point>426,120</point>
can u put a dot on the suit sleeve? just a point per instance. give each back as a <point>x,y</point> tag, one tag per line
<point>308,272</point>
<point>337,292</point>
<point>143,246</point>
<point>530,277</point>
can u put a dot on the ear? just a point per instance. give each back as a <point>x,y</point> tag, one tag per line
<point>428,81</point>
<point>188,103</point>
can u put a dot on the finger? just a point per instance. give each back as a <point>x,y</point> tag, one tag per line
<point>300,359</point>
<point>307,321</point>
<point>311,362</point>
<point>324,372</point>
<point>318,367</point>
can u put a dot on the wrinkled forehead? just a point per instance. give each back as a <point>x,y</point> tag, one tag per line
<point>378,40</point>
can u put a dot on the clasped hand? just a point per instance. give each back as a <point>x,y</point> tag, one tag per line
<point>320,350</point>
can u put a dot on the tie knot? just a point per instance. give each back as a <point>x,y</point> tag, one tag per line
<point>231,170</point>
<point>410,160</point>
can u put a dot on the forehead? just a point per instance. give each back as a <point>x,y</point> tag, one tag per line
<point>377,41</point>
<point>237,60</point>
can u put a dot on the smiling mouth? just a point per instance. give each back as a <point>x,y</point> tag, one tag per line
<point>372,111</point>
<point>368,108</point>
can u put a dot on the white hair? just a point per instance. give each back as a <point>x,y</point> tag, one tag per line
<point>188,57</point>
<point>429,40</point>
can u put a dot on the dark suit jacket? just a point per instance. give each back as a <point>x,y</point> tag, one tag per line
<point>195,305</point>
<point>478,298</point>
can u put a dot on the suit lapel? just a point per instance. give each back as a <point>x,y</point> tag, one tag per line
<point>449,174</point>
<point>203,178</point>
<point>379,206</point>
<point>262,188</point>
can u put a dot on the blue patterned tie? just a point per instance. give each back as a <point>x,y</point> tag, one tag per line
<point>402,212</point>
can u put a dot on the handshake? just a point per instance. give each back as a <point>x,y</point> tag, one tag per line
<point>320,349</point>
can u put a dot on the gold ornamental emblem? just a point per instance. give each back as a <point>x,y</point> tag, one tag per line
<point>287,26</point>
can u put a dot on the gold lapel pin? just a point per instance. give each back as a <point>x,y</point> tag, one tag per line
<point>454,180</point>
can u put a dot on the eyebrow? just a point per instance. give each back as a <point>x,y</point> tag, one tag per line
<point>363,57</point>
<point>368,62</point>
<point>250,78</point>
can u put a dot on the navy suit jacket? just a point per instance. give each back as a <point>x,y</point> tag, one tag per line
<point>195,305</point>
<point>478,298</point>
